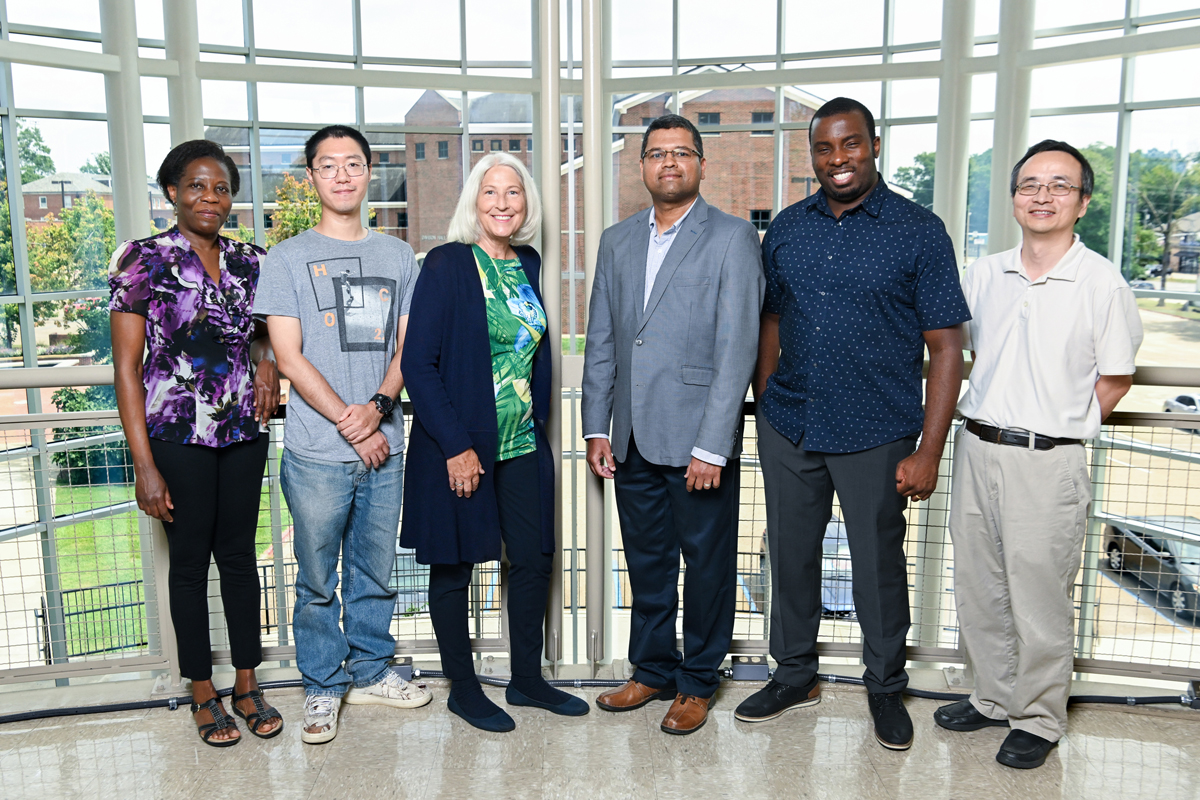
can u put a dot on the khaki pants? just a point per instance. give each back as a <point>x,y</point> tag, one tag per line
<point>1017,520</point>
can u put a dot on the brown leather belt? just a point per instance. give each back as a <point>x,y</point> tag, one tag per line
<point>994,435</point>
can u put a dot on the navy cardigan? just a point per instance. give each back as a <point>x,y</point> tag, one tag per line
<point>447,365</point>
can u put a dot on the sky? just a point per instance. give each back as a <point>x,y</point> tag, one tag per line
<point>501,30</point>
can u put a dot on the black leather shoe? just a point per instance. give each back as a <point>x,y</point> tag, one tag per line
<point>1024,750</point>
<point>893,727</point>
<point>775,698</point>
<point>964,716</point>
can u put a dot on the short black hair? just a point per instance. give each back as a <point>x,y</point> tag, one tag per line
<point>669,121</point>
<point>334,132</point>
<point>844,105</point>
<point>171,171</point>
<point>1088,179</point>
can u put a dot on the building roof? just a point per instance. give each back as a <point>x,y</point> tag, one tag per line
<point>79,182</point>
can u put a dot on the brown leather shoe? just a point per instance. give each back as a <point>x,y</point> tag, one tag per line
<point>632,695</point>
<point>687,715</point>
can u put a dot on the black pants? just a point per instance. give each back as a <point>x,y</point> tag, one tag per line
<point>216,493</point>
<point>660,520</point>
<point>799,487</point>
<point>517,499</point>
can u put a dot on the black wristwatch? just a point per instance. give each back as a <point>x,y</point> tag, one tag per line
<point>384,404</point>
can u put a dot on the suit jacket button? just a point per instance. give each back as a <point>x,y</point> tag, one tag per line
<point>638,342</point>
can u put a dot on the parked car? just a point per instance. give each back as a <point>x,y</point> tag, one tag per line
<point>1168,563</point>
<point>1184,404</point>
<point>1142,285</point>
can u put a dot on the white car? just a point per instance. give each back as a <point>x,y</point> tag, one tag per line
<point>1184,404</point>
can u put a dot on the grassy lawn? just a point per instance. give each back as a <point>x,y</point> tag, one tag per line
<point>1172,307</point>
<point>108,550</point>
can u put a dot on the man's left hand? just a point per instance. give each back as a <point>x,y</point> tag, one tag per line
<point>359,421</point>
<point>702,475</point>
<point>917,475</point>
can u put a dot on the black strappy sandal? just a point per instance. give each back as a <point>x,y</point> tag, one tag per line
<point>261,714</point>
<point>220,722</point>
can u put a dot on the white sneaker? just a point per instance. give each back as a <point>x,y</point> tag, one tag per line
<point>390,690</point>
<point>321,716</point>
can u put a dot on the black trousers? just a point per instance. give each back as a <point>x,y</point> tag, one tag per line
<point>216,493</point>
<point>517,490</point>
<point>799,489</point>
<point>660,520</point>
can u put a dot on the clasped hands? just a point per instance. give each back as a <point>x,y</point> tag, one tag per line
<point>359,425</point>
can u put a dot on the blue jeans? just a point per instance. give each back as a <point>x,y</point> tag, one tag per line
<point>346,508</point>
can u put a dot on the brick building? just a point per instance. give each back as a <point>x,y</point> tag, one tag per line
<point>53,193</point>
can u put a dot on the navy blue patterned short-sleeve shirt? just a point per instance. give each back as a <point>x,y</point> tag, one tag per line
<point>854,296</point>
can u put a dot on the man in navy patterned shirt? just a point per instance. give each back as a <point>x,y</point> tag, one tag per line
<point>859,282</point>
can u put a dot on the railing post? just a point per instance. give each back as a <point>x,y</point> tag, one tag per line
<point>594,112</point>
<point>1092,544</point>
<point>276,498</point>
<point>549,158</point>
<point>162,591</point>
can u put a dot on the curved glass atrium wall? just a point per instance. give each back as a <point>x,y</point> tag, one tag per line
<point>93,93</point>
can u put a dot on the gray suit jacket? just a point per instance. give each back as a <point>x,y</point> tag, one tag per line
<point>677,372</point>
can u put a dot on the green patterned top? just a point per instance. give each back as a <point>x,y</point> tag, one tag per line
<point>516,323</point>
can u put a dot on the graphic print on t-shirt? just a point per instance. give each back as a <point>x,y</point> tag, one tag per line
<point>361,308</point>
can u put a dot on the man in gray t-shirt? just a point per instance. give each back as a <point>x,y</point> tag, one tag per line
<point>336,299</point>
<point>348,297</point>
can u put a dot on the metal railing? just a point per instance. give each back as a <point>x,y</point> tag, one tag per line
<point>83,574</point>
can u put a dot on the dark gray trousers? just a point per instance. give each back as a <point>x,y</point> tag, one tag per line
<point>799,489</point>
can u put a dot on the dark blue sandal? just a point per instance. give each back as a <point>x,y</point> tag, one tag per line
<point>220,722</point>
<point>262,714</point>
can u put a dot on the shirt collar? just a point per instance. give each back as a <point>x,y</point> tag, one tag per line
<point>873,204</point>
<point>1067,268</point>
<point>674,228</point>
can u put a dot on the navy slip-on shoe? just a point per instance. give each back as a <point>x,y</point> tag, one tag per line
<point>499,722</point>
<point>571,707</point>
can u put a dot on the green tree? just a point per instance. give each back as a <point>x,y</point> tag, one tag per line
<point>979,191</point>
<point>1093,229</point>
<point>98,164</point>
<point>299,208</point>
<point>1167,187</point>
<point>34,153</point>
<point>918,179</point>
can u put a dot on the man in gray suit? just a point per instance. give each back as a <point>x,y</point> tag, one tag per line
<point>671,343</point>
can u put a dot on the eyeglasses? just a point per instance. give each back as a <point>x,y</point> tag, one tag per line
<point>681,154</point>
<point>1056,188</point>
<point>354,169</point>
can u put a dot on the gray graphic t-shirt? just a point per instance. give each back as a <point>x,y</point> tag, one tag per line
<point>348,297</point>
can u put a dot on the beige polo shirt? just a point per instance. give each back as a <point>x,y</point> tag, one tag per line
<point>1040,346</point>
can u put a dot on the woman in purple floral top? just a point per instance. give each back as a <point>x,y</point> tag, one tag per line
<point>192,413</point>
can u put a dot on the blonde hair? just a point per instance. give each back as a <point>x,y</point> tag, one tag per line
<point>464,225</point>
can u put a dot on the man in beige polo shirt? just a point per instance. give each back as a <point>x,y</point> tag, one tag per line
<point>1054,329</point>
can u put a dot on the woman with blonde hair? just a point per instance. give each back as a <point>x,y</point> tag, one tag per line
<point>480,470</point>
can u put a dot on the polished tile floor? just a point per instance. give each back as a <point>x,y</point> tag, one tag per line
<point>821,752</point>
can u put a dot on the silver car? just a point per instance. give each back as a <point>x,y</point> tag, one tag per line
<point>1169,564</point>
<point>1187,403</point>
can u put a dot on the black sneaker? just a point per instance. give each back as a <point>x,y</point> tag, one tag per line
<point>893,728</point>
<point>964,716</point>
<point>775,698</point>
<point>1024,750</point>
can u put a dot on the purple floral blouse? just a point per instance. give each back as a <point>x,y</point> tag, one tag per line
<point>199,382</point>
